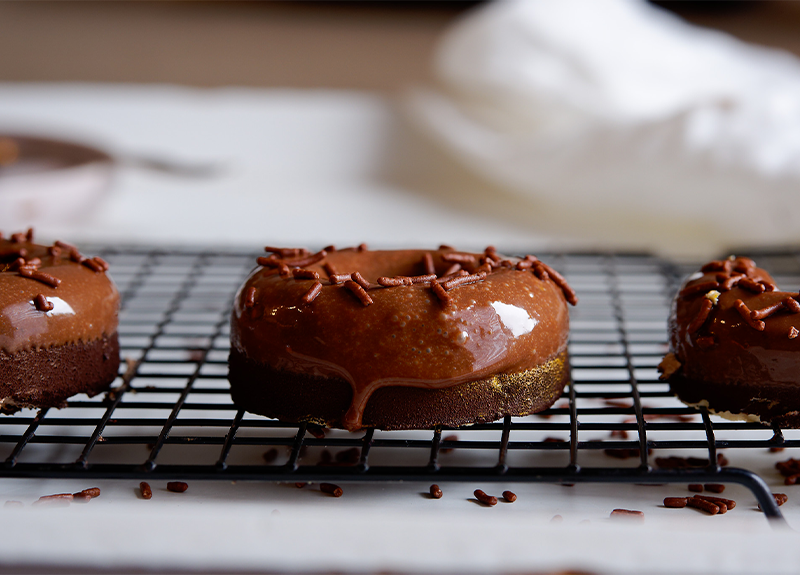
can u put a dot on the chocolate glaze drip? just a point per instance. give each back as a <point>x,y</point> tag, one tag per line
<point>506,320</point>
<point>48,300</point>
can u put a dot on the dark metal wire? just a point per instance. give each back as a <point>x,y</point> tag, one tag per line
<point>174,317</point>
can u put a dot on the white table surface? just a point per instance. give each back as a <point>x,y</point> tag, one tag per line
<point>313,168</point>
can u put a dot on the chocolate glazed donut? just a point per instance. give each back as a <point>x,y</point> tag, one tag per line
<point>58,324</point>
<point>734,345</point>
<point>405,339</point>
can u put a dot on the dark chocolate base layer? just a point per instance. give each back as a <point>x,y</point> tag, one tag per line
<point>46,377</point>
<point>293,397</point>
<point>774,404</point>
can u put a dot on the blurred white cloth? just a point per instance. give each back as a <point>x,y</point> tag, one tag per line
<point>624,121</point>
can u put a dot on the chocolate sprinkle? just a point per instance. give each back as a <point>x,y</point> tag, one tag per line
<point>459,258</point>
<point>744,311</point>
<point>435,491</point>
<point>312,293</point>
<point>56,496</point>
<point>304,274</point>
<point>752,286</point>
<point>702,315</point>
<point>359,292</point>
<point>728,503</point>
<point>717,265</point>
<point>359,279</point>
<point>177,486</point>
<point>463,280</point>
<point>767,311</point>
<point>627,513</point>
<point>76,256</point>
<point>40,277</point>
<point>394,282</point>
<point>730,282</point>
<point>444,298</point>
<point>526,262</point>
<point>791,304</point>
<point>539,271</point>
<point>788,467</point>
<point>509,496</point>
<point>337,279</point>
<point>405,280</point>
<point>103,263</point>
<point>91,492</point>
<point>331,489</point>
<point>16,264</point>
<point>42,304</point>
<point>559,280</point>
<point>269,262</point>
<point>329,269</point>
<point>698,288</point>
<point>93,265</point>
<point>489,500</point>
<point>144,487</point>
<point>704,505</point>
<point>458,274</point>
<point>306,261</point>
<point>791,479</point>
<point>675,502</point>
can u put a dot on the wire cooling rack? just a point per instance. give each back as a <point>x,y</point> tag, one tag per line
<point>169,414</point>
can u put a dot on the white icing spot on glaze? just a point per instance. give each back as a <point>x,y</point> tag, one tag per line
<point>60,307</point>
<point>516,319</point>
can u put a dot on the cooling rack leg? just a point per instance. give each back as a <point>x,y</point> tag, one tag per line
<point>760,489</point>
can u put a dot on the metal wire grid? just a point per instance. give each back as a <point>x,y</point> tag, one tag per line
<point>169,414</point>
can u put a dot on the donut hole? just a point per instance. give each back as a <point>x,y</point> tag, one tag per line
<point>374,264</point>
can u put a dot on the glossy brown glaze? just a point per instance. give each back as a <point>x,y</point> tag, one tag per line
<point>498,320</point>
<point>85,302</point>
<point>733,344</point>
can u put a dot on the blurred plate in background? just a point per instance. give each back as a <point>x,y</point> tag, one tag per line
<point>45,181</point>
